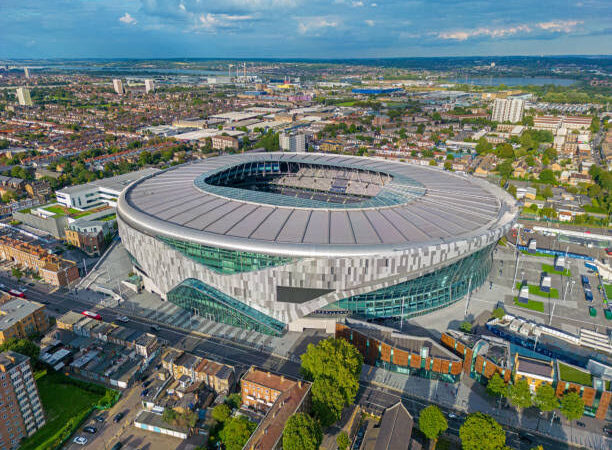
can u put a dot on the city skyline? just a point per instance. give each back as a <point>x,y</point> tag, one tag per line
<point>296,29</point>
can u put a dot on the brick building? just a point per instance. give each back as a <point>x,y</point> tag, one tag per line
<point>53,269</point>
<point>278,398</point>
<point>21,411</point>
<point>387,348</point>
<point>21,318</point>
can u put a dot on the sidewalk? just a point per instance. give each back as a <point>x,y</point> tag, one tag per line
<point>469,396</point>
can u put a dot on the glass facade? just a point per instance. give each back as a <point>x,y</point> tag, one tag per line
<point>225,261</point>
<point>206,301</point>
<point>424,294</point>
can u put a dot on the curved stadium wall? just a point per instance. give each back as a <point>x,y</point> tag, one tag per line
<point>259,285</point>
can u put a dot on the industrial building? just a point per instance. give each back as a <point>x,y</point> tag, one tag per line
<point>277,241</point>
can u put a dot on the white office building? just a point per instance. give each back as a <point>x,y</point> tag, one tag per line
<point>508,110</point>
<point>23,96</point>
<point>118,86</point>
<point>100,192</point>
<point>295,143</point>
<point>26,72</point>
<point>149,86</point>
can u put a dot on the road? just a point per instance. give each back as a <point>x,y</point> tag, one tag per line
<point>373,398</point>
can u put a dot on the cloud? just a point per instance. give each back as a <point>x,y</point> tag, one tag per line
<point>308,24</point>
<point>127,19</point>
<point>556,26</point>
<point>369,22</point>
<point>211,22</point>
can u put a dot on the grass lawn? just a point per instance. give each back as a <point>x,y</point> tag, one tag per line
<point>535,290</point>
<point>544,255</point>
<point>608,288</point>
<point>60,210</point>
<point>549,268</point>
<point>65,405</point>
<point>534,305</point>
<point>346,104</point>
<point>569,374</point>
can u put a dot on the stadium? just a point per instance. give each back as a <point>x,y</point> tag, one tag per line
<point>266,241</point>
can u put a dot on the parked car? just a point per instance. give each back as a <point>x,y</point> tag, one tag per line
<point>147,383</point>
<point>90,429</point>
<point>581,424</point>
<point>117,446</point>
<point>99,419</point>
<point>123,319</point>
<point>154,328</point>
<point>118,417</point>
<point>144,392</point>
<point>80,440</point>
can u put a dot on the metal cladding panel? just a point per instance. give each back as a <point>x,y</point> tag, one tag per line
<point>317,231</point>
<point>272,226</point>
<point>240,214</point>
<point>188,216</point>
<point>341,231</point>
<point>428,215</point>
<point>422,224</point>
<point>407,228</point>
<point>201,222</point>
<point>295,226</point>
<point>384,229</point>
<point>364,232</point>
<point>244,228</point>
<point>170,209</point>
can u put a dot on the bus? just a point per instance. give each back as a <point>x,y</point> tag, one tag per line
<point>17,293</point>
<point>93,315</point>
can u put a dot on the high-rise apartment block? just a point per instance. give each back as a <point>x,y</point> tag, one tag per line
<point>118,86</point>
<point>23,96</point>
<point>21,412</point>
<point>508,110</point>
<point>149,86</point>
<point>292,142</point>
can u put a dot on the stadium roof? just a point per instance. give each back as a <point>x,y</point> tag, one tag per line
<point>420,206</point>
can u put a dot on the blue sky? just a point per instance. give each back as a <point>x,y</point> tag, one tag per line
<point>302,28</point>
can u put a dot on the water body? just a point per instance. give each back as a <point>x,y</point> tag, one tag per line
<point>515,81</point>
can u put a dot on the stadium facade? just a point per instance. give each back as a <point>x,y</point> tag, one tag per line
<point>261,241</point>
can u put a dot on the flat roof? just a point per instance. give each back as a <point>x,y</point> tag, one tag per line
<point>15,311</point>
<point>419,206</point>
<point>117,183</point>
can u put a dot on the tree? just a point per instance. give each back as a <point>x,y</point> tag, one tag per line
<point>234,400</point>
<point>236,432</point>
<point>499,313</point>
<point>481,432</point>
<point>483,146</point>
<point>24,346</point>
<point>512,190</point>
<point>448,165</point>
<point>466,326</point>
<point>221,412</point>
<point>496,386</point>
<point>432,422</point>
<point>547,176</point>
<point>342,440</point>
<point>519,394</point>
<point>302,432</point>
<point>505,168</point>
<point>545,398</point>
<point>572,406</point>
<point>335,366</point>
<point>17,273</point>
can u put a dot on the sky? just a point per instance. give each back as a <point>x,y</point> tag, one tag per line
<point>302,28</point>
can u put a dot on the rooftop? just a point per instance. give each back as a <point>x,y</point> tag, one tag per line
<point>117,183</point>
<point>317,204</point>
<point>532,366</point>
<point>9,359</point>
<point>16,310</point>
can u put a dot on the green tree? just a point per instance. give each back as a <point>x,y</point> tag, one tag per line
<point>432,422</point>
<point>505,168</point>
<point>302,432</point>
<point>448,165</point>
<point>512,190</point>
<point>337,359</point>
<point>466,326</point>
<point>234,400</point>
<point>24,346</point>
<point>483,146</point>
<point>547,176</point>
<point>481,432</point>
<point>572,406</point>
<point>496,386</point>
<point>221,412</point>
<point>342,441</point>
<point>236,432</point>
<point>499,313</point>
<point>17,273</point>
<point>545,398</point>
<point>327,400</point>
<point>519,394</point>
